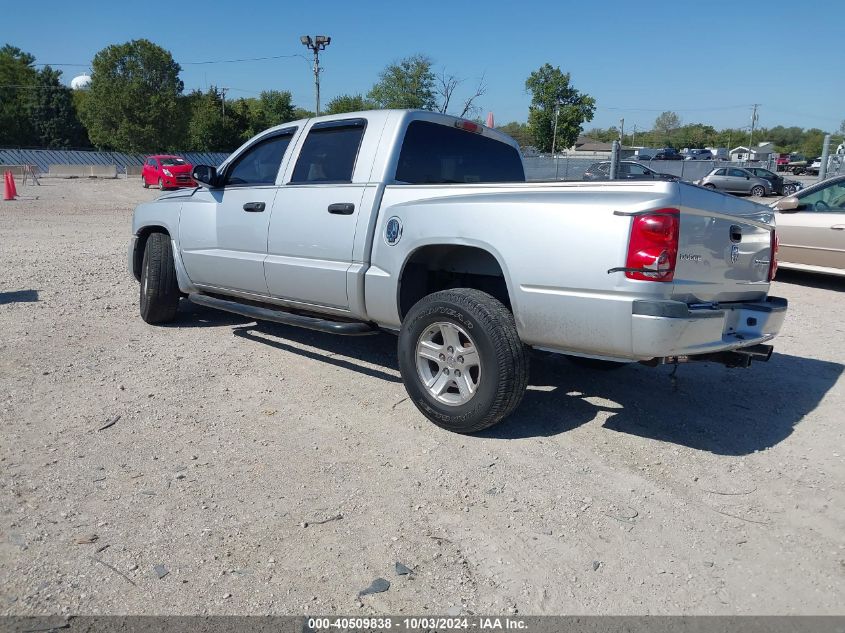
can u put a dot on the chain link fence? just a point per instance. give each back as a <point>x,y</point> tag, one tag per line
<point>43,158</point>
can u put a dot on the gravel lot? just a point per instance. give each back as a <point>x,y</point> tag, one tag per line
<point>274,470</point>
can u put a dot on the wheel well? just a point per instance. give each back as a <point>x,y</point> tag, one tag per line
<point>141,244</point>
<point>440,267</point>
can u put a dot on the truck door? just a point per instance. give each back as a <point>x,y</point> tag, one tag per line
<point>312,228</point>
<point>223,231</point>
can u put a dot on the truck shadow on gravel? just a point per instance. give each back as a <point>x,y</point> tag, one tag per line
<point>709,408</point>
<point>341,351</point>
<point>810,280</point>
<point>18,296</point>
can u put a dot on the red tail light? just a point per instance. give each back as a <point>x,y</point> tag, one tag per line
<point>653,245</point>
<point>773,256</point>
<point>469,126</point>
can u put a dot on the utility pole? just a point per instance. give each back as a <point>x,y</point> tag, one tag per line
<point>622,131</point>
<point>317,44</point>
<point>634,136</point>
<point>753,122</point>
<point>223,92</point>
<point>554,134</point>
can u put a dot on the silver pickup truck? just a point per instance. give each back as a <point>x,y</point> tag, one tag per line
<point>423,225</point>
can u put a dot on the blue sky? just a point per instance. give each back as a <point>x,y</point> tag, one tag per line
<point>708,61</point>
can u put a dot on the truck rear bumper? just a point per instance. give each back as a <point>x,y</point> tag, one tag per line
<point>673,328</point>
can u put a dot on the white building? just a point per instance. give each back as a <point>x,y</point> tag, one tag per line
<point>761,152</point>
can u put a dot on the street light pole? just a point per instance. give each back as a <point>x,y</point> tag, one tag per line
<point>317,44</point>
<point>554,134</point>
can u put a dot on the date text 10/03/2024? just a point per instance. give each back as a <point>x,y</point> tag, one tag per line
<point>414,624</point>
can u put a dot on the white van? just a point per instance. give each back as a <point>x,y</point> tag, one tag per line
<point>719,153</point>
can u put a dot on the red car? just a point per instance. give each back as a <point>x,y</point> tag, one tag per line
<point>167,171</point>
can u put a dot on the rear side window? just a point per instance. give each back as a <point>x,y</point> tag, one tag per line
<point>259,165</point>
<point>329,152</point>
<point>434,153</point>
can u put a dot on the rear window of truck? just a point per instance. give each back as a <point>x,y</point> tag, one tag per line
<point>433,153</point>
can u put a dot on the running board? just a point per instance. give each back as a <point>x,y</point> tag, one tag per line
<point>356,328</point>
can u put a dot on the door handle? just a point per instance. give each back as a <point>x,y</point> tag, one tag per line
<point>342,208</point>
<point>254,207</point>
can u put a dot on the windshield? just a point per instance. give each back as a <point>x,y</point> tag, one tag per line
<point>170,161</point>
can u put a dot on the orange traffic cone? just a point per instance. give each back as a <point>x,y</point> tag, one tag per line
<point>12,184</point>
<point>9,191</point>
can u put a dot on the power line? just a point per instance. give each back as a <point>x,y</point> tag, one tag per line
<point>202,63</point>
<point>664,109</point>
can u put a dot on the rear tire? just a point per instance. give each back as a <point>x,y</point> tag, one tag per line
<point>159,296</point>
<point>461,359</point>
<point>758,191</point>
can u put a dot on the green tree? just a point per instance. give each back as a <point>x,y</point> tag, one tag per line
<point>208,129</point>
<point>811,144</point>
<point>664,126</point>
<point>408,83</point>
<point>520,132</point>
<point>53,114</point>
<point>694,135</point>
<point>347,103</point>
<point>302,113</point>
<point>603,135</point>
<point>276,107</point>
<point>17,80</point>
<point>133,103</point>
<point>551,92</point>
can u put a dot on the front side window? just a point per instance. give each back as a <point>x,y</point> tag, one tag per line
<point>329,152</point>
<point>830,198</point>
<point>259,164</point>
<point>719,172</point>
<point>737,173</point>
<point>638,170</point>
<point>435,153</point>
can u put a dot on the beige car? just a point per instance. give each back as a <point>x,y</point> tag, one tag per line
<point>811,228</point>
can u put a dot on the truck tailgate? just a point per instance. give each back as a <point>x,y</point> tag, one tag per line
<point>724,250</point>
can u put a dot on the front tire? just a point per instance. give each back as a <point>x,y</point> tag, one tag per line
<point>709,185</point>
<point>161,184</point>
<point>758,191</point>
<point>159,298</point>
<point>461,359</point>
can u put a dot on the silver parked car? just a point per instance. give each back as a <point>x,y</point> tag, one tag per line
<point>811,228</point>
<point>736,180</point>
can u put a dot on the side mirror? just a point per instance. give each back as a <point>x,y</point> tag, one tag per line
<point>206,175</point>
<point>787,205</point>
